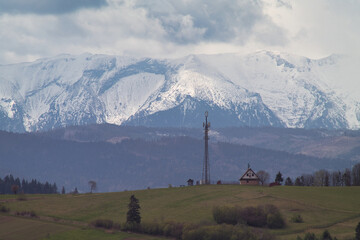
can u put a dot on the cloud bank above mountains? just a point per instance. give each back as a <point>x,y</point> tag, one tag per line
<point>47,7</point>
<point>34,29</point>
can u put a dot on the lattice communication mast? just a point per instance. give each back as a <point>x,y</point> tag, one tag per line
<point>206,165</point>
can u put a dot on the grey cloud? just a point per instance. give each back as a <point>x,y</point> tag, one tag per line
<point>47,6</point>
<point>281,3</point>
<point>197,20</point>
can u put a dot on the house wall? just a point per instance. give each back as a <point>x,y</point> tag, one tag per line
<point>249,182</point>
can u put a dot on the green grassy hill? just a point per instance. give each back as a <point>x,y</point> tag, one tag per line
<point>64,216</point>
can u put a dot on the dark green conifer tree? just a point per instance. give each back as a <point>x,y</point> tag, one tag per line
<point>310,236</point>
<point>279,179</point>
<point>288,182</point>
<point>326,235</point>
<point>133,214</point>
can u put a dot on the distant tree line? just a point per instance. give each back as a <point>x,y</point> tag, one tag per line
<point>10,185</point>
<point>347,177</point>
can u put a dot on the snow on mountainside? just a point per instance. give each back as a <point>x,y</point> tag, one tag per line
<point>260,89</point>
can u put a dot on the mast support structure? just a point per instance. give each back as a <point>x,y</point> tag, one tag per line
<point>206,164</point>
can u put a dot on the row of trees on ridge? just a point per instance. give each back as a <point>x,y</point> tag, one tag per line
<point>347,177</point>
<point>10,185</point>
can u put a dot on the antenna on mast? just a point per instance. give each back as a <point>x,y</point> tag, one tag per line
<point>206,164</point>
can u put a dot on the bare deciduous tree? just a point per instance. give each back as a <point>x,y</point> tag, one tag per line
<point>92,185</point>
<point>336,178</point>
<point>355,173</point>
<point>307,179</point>
<point>347,177</point>
<point>15,188</point>
<point>263,176</point>
<point>321,178</point>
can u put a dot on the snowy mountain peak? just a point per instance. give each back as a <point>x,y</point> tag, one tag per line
<point>260,89</point>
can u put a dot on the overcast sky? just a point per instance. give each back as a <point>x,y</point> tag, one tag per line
<point>32,29</point>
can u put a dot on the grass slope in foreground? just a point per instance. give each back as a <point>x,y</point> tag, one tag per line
<point>334,208</point>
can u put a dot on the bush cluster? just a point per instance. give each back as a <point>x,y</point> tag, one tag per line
<point>4,209</point>
<point>187,231</point>
<point>296,218</point>
<point>311,236</point>
<point>225,214</point>
<point>260,216</point>
<point>168,229</point>
<point>222,232</point>
<point>27,214</point>
<point>103,223</point>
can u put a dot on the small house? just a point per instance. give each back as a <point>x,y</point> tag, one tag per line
<point>190,182</point>
<point>249,178</point>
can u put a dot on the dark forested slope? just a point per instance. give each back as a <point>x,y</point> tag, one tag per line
<point>139,163</point>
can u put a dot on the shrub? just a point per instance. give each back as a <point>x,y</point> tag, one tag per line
<point>269,208</point>
<point>131,226</point>
<point>4,209</point>
<point>260,216</point>
<point>33,214</point>
<point>275,220</point>
<point>194,234</point>
<point>221,232</point>
<point>152,228</point>
<point>103,223</point>
<point>169,229</point>
<point>310,236</point>
<point>173,229</point>
<point>27,214</point>
<point>296,218</point>
<point>117,226</point>
<point>326,235</point>
<point>253,216</point>
<point>267,236</point>
<point>229,215</point>
<point>218,232</point>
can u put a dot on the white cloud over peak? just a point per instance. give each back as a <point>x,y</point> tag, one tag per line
<point>46,6</point>
<point>30,29</point>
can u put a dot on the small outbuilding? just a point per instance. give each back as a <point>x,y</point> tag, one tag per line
<point>249,178</point>
<point>190,182</point>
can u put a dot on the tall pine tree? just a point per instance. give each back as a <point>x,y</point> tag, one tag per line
<point>133,214</point>
<point>279,179</point>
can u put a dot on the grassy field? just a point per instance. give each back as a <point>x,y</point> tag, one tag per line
<point>16,228</point>
<point>334,208</point>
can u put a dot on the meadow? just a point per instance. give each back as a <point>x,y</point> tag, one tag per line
<point>336,209</point>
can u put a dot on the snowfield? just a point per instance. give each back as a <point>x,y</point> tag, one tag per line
<point>259,89</point>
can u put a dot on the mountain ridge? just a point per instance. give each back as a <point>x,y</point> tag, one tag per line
<point>260,89</point>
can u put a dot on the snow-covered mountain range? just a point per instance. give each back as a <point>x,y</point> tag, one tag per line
<point>259,89</point>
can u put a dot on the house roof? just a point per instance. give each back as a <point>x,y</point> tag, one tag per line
<point>249,175</point>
